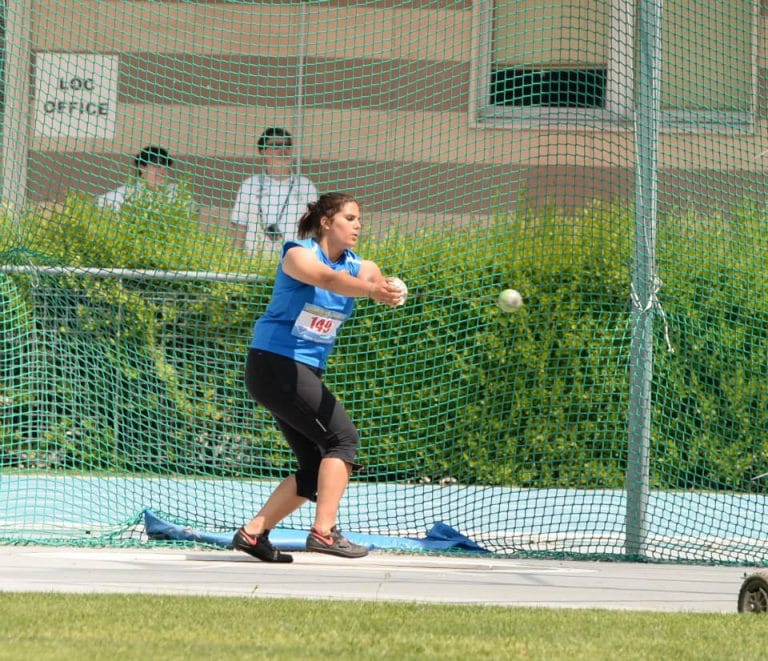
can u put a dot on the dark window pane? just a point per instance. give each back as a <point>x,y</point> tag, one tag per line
<point>570,88</point>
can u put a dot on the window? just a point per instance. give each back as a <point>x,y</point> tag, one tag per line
<point>552,88</point>
<point>576,61</point>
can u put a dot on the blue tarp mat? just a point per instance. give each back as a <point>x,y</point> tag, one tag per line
<point>440,537</point>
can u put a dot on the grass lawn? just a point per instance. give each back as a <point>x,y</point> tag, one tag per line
<point>74,626</point>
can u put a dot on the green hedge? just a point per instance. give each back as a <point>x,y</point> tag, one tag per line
<point>448,386</point>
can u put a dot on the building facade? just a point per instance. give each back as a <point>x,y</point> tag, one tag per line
<point>440,111</point>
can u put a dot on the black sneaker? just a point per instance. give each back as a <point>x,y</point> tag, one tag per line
<point>334,543</point>
<point>259,547</point>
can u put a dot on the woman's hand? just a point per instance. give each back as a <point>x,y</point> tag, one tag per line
<point>385,291</point>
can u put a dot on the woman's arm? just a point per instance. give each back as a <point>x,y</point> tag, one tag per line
<point>302,265</point>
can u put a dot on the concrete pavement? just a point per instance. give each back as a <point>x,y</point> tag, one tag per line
<point>377,577</point>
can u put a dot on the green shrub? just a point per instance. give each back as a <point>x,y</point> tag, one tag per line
<point>146,375</point>
<point>457,388</point>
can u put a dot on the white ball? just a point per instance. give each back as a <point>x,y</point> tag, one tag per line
<point>509,300</point>
<point>402,287</point>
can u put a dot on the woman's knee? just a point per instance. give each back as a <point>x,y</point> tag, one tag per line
<point>344,445</point>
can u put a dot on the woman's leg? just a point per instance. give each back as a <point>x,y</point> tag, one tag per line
<point>332,481</point>
<point>325,537</point>
<point>321,435</point>
<point>282,502</point>
<point>272,384</point>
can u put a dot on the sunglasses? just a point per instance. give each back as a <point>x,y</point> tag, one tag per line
<point>277,145</point>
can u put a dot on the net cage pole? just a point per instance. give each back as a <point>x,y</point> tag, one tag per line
<point>643,273</point>
<point>16,89</point>
<point>300,84</point>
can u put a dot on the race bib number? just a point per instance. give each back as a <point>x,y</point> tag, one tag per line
<point>318,324</point>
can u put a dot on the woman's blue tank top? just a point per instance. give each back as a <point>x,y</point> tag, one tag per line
<point>302,321</point>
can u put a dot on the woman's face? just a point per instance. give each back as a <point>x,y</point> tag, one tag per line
<point>344,227</point>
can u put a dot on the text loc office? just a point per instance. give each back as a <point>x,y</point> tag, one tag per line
<point>87,107</point>
<point>75,95</point>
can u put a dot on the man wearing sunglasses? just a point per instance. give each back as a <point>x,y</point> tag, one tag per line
<point>269,205</point>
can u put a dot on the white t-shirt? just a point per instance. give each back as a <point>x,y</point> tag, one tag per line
<point>115,199</point>
<point>266,207</point>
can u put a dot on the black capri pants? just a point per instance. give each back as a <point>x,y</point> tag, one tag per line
<point>313,422</point>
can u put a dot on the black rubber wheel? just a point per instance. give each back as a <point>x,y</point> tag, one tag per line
<point>753,596</point>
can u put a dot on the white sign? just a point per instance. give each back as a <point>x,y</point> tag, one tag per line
<point>75,95</point>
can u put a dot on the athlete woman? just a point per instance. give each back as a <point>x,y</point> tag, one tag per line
<point>318,278</point>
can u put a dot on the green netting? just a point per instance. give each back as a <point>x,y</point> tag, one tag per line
<point>606,159</point>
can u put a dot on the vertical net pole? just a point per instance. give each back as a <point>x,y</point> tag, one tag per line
<point>300,84</point>
<point>17,94</point>
<point>643,272</point>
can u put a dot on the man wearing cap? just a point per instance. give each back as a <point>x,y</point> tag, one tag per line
<point>152,173</point>
<point>269,205</point>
